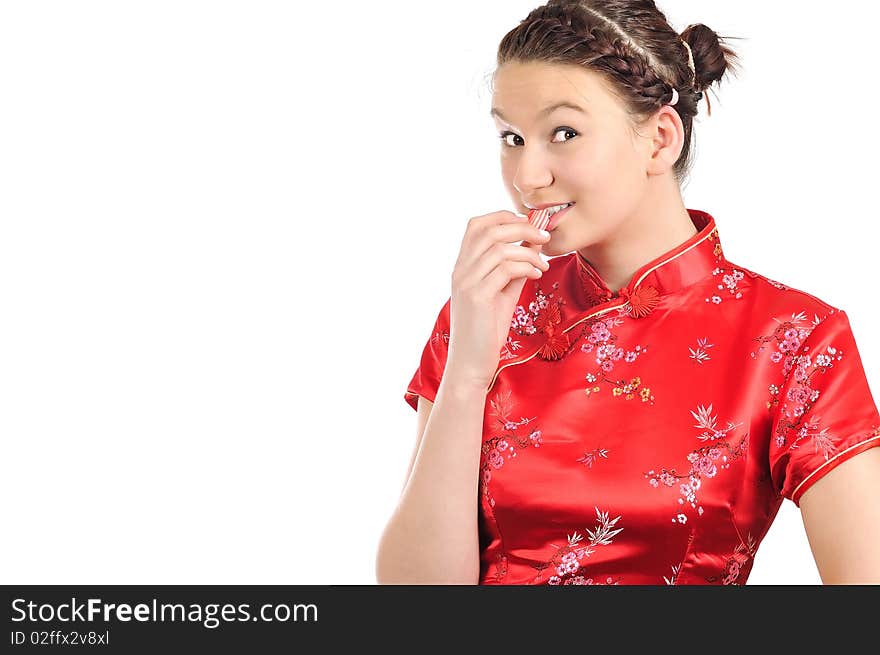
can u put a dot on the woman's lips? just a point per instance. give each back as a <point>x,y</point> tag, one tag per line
<point>554,220</point>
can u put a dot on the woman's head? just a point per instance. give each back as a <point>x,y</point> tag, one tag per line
<point>618,60</point>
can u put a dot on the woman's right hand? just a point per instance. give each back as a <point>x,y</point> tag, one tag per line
<point>487,281</point>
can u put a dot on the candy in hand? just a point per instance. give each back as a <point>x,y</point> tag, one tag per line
<point>540,218</point>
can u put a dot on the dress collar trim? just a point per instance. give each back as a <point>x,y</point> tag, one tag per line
<point>687,263</point>
<point>547,327</point>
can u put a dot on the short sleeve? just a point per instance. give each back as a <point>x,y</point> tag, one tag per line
<point>426,379</point>
<point>826,413</point>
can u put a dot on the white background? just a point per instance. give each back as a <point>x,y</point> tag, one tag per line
<point>228,227</point>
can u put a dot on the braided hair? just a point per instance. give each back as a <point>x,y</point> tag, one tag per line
<point>632,46</point>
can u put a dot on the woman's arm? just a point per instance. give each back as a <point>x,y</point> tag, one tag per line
<point>841,515</point>
<point>433,535</point>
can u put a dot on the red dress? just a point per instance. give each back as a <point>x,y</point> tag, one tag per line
<point>649,437</point>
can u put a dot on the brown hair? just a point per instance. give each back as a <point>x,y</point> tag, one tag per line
<point>632,46</point>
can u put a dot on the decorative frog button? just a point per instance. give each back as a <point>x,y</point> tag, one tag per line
<point>642,300</point>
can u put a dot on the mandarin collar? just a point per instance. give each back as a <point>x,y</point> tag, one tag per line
<point>572,291</point>
<point>687,263</point>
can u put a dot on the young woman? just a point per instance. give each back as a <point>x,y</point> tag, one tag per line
<point>635,410</point>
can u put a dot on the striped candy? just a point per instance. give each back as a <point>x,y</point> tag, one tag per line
<point>540,218</point>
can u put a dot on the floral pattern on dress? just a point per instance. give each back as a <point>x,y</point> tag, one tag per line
<point>718,251</point>
<point>508,351</point>
<point>440,335</point>
<point>700,355</point>
<point>544,314</point>
<point>504,446</point>
<point>500,566</point>
<point>730,282</point>
<point>800,398</point>
<point>602,340</point>
<point>704,461</point>
<point>591,456</point>
<point>671,579</point>
<point>786,341</point>
<point>498,449</point>
<point>788,337</point>
<point>734,564</point>
<point>566,563</point>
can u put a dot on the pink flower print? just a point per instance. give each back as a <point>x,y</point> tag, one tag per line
<point>630,357</point>
<point>555,579</point>
<point>716,300</point>
<point>569,564</point>
<point>775,357</point>
<point>502,445</point>
<point>733,572</point>
<point>702,460</point>
<point>495,458</point>
<point>681,518</point>
<point>600,332</point>
<point>486,476</point>
<point>798,395</point>
<point>607,365</point>
<point>617,354</point>
<point>536,438</point>
<point>705,466</point>
<point>791,334</point>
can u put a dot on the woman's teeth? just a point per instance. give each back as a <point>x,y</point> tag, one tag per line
<point>557,208</point>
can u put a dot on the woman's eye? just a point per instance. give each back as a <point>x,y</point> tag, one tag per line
<point>503,136</point>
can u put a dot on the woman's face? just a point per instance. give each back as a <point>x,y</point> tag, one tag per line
<point>591,158</point>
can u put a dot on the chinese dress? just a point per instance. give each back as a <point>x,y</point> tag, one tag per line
<point>649,436</point>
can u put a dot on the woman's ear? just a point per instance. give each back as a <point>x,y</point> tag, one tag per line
<point>666,139</point>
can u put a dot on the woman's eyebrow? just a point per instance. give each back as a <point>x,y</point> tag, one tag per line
<point>544,112</point>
